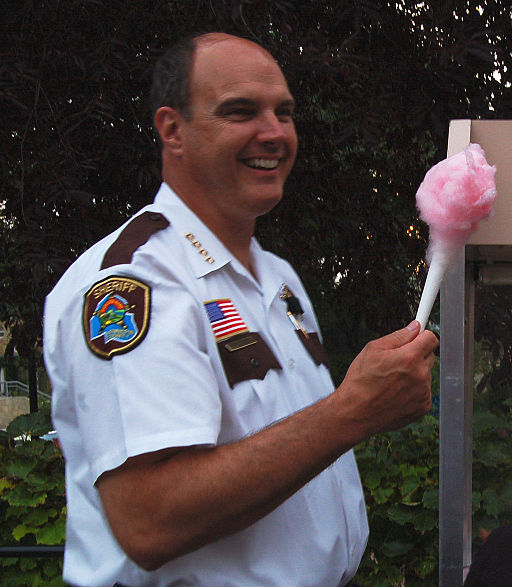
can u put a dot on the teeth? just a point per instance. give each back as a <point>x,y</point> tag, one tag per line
<point>263,163</point>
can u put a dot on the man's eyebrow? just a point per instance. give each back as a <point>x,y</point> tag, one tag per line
<point>230,102</point>
<point>290,103</point>
<point>248,102</point>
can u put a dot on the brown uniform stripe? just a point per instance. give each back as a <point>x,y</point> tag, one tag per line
<point>135,234</point>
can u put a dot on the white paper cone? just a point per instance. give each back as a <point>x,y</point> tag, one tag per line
<point>436,272</point>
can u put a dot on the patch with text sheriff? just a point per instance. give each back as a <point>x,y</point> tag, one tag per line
<point>116,315</point>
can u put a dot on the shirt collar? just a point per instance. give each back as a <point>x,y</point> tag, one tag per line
<point>204,250</point>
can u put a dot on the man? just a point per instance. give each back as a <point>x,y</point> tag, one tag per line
<point>205,443</point>
<point>492,563</point>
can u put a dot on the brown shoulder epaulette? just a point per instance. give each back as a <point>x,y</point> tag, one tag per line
<point>135,234</point>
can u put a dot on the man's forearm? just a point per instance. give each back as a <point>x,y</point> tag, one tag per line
<point>163,505</point>
<point>179,503</point>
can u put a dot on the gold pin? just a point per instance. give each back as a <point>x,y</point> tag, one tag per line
<point>199,247</point>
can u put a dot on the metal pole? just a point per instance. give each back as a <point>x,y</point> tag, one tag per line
<point>455,425</point>
<point>31,551</point>
<point>469,360</point>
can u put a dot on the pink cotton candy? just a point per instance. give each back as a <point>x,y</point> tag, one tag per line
<point>455,195</point>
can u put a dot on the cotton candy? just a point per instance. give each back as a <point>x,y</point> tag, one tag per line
<point>452,199</point>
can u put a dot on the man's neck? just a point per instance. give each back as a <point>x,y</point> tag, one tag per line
<point>235,236</point>
<point>234,233</point>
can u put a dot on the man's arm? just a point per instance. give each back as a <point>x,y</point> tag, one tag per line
<point>165,504</point>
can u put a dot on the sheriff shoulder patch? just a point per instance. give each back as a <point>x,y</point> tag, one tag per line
<point>116,315</point>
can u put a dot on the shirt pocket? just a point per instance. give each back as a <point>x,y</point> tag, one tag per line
<point>314,347</point>
<point>246,356</point>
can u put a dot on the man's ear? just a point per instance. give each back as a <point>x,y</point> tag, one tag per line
<point>168,124</point>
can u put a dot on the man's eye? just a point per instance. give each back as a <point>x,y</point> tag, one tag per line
<point>239,113</point>
<point>285,114</point>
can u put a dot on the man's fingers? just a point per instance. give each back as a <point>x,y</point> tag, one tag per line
<point>400,337</point>
<point>426,343</point>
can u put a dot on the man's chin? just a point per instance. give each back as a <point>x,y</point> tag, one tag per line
<point>266,203</point>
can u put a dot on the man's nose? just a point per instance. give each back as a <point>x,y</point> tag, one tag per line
<point>271,128</point>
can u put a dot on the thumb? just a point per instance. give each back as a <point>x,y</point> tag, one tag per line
<point>400,337</point>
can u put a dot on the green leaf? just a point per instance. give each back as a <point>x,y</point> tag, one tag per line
<point>56,581</point>
<point>52,533</point>
<point>491,502</point>
<point>38,516</point>
<point>483,421</point>
<point>21,468</point>
<point>409,486</point>
<point>506,492</point>
<point>402,515</point>
<point>19,496</point>
<point>396,548</point>
<point>42,480</point>
<point>431,498</point>
<point>16,512</point>
<point>382,494</point>
<point>426,567</point>
<point>35,424</point>
<point>476,500</point>
<point>491,455</point>
<point>28,563</point>
<point>20,531</point>
<point>372,478</point>
<point>4,438</point>
<point>33,447</point>
<point>5,483</point>
<point>425,521</point>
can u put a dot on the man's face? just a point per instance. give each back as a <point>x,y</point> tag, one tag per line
<point>240,143</point>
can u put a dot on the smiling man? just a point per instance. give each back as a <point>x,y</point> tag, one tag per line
<point>229,154</point>
<point>205,442</point>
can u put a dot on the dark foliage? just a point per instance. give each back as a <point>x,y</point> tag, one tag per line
<point>376,84</point>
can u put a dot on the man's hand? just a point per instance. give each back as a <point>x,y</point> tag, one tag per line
<point>388,384</point>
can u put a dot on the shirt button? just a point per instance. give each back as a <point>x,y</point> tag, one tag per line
<point>291,363</point>
<point>254,362</point>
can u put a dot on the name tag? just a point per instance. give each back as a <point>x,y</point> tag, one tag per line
<point>240,343</point>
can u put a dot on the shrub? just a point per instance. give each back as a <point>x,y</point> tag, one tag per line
<point>32,500</point>
<point>400,475</point>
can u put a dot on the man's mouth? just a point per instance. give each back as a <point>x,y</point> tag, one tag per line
<point>262,163</point>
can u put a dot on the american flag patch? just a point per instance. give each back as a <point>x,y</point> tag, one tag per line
<point>224,318</point>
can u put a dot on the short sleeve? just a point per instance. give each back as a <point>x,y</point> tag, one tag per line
<point>162,393</point>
